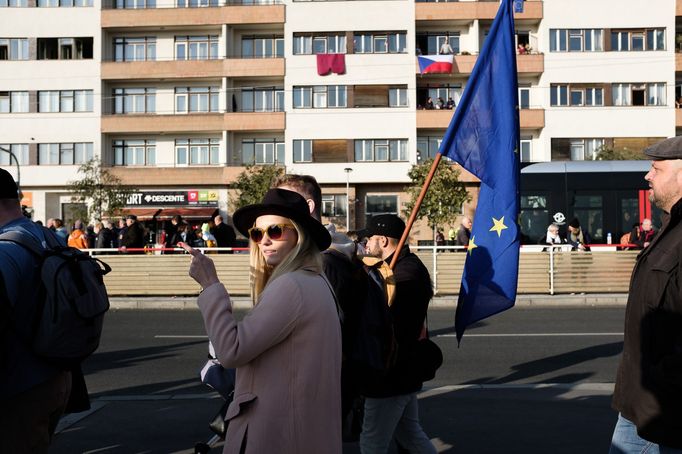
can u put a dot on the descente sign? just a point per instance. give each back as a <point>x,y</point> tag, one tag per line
<point>172,198</point>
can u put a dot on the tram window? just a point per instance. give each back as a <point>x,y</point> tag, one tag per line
<point>629,209</point>
<point>534,217</point>
<point>590,212</point>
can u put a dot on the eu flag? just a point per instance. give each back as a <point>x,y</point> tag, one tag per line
<point>483,137</point>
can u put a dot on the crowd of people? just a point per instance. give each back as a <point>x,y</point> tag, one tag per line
<point>429,104</point>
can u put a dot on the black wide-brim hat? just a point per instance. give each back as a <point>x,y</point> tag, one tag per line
<point>288,204</point>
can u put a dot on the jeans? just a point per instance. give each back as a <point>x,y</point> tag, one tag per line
<point>626,441</point>
<point>396,416</point>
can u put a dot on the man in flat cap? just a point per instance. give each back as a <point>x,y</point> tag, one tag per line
<point>33,394</point>
<point>391,402</point>
<point>648,393</point>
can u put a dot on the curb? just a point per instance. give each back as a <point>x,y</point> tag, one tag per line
<point>450,301</point>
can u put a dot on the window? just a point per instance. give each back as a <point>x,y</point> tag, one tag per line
<point>427,147</point>
<point>651,94</point>
<point>65,101</point>
<point>381,204</point>
<point>262,151</point>
<point>594,96</point>
<point>134,152</point>
<point>13,49</point>
<point>576,40</point>
<point>320,97</point>
<point>262,46</point>
<point>196,99</point>
<point>526,149</point>
<point>68,3</point>
<point>576,97</point>
<point>381,150</point>
<point>303,151</point>
<point>134,100</point>
<point>333,205</point>
<point>197,3</point>
<point>135,4</point>
<point>397,97</point>
<point>585,149</point>
<point>135,49</point>
<point>19,150</point>
<point>64,153</point>
<point>533,215</point>
<point>197,152</point>
<point>559,95</point>
<point>378,43</point>
<point>13,101</point>
<point>638,40</point>
<point>270,99</point>
<point>319,44</point>
<point>524,97</point>
<point>196,47</point>
<point>64,48</point>
<point>444,92</point>
<point>14,3</point>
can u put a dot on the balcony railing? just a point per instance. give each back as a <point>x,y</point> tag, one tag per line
<point>472,10</point>
<point>183,4</point>
<point>198,122</point>
<point>187,69</point>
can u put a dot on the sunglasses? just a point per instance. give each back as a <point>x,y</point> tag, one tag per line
<point>274,232</point>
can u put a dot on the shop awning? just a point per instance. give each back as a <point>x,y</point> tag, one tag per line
<point>189,213</point>
<point>143,214</point>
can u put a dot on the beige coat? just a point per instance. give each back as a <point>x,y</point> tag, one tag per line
<point>287,352</point>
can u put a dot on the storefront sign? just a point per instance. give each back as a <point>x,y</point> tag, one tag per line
<point>173,198</point>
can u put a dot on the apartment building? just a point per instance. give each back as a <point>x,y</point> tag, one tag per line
<point>177,96</point>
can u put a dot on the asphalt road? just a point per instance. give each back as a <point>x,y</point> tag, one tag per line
<point>527,380</point>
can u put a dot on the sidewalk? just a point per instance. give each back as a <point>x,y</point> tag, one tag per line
<point>242,302</point>
<point>458,419</point>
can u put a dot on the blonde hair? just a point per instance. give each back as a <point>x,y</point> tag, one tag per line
<point>305,254</point>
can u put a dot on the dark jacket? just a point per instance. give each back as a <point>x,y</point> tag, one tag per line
<point>648,388</point>
<point>105,239</point>
<point>224,235</point>
<point>463,236</point>
<point>643,237</point>
<point>587,239</point>
<point>413,292</point>
<point>133,236</point>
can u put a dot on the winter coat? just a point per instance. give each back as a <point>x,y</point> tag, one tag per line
<point>287,352</point>
<point>648,388</point>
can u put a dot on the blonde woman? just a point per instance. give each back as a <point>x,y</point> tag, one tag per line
<point>287,349</point>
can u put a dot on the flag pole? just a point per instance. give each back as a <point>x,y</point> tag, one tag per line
<point>415,210</point>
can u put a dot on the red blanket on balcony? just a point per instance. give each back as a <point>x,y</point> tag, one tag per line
<point>327,63</point>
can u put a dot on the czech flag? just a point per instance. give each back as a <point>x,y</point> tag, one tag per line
<point>435,64</point>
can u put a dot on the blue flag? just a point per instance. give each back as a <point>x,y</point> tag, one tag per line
<point>483,137</point>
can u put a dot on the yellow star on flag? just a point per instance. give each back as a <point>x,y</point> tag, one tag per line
<point>472,245</point>
<point>498,226</point>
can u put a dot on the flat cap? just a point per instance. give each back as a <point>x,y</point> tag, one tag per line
<point>665,149</point>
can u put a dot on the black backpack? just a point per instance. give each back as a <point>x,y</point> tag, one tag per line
<point>72,300</point>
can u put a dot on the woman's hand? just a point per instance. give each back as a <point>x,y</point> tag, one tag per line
<point>201,268</point>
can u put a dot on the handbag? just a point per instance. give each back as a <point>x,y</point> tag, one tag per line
<point>214,375</point>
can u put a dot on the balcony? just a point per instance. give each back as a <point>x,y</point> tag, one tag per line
<point>188,69</point>
<point>152,18</point>
<point>179,176</point>
<point>440,119</point>
<point>200,122</point>
<point>678,8</point>
<point>473,10</point>
<point>528,64</point>
<point>678,118</point>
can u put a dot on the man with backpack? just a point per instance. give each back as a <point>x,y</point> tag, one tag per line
<point>391,401</point>
<point>33,393</point>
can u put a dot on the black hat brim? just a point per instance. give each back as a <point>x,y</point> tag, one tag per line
<point>245,217</point>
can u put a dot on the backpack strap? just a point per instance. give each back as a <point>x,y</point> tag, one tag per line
<point>336,301</point>
<point>23,239</point>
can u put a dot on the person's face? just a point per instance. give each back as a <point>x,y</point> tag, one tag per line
<point>553,231</point>
<point>646,225</point>
<point>573,229</point>
<point>217,220</point>
<point>275,251</point>
<point>129,222</point>
<point>665,183</point>
<point>466,222</point>
<point>121,223</point>
<point>374,246</point>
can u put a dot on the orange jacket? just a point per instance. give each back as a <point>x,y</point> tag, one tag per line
<point>77,239</point>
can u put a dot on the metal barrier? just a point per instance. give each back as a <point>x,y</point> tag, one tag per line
<point>603,270</point>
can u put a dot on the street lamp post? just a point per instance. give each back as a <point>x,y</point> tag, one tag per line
<point>13,156</point>
<point>348,170</point>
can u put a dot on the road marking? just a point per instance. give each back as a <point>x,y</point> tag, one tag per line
<point>531,335</point>
<point>180,336</point>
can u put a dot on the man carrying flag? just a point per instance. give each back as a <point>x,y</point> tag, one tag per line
<point>483,137</point>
